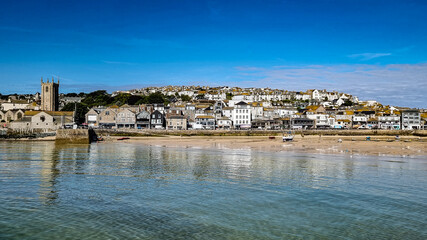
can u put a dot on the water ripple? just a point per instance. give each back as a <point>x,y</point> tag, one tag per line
<point>122,191</point>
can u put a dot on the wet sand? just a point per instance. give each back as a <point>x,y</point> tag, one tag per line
<point>358,145</point>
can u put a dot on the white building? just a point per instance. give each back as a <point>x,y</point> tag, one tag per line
<point>257,112</point>
<point>14,104</point>
<point>302,96</point>
<point>389,122</point>
<point>242,115</point>
<point>341,100</point>
<point>287,112</point>
<point>360,121</point>
<point>410,119</point>
<point>224,123</point>
<point>227,112</point>
<point>320,120</point>
<point>240,98</point>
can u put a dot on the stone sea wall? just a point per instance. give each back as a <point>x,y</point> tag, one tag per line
<point>24,134</point>
<point>74,136</point>
<point>152,132</point>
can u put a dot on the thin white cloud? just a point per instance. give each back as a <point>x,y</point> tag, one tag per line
<point>395,84</point>
<point>368,56</point>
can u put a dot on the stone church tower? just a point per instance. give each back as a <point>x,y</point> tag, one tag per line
<point>50,95</point>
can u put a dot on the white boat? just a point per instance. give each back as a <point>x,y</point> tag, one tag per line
<point>288,137</point>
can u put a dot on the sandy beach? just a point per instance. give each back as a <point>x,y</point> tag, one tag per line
<point>358,145</point>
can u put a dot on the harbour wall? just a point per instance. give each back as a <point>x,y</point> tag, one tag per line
<point>155,132</point>
<point>26,134</point>
<point>75,136</point>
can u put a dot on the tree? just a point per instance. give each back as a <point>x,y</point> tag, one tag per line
<point>156,97</point>
<point>81,110</point>
<point>71,95</point>
<point>228,96</point>
<point>200,96</point>
<point>97,98</point>
<point>143,100</point>
<point>185,98</point>
<point>347,103</point>
<point>133,99</point>
<point>121,98</point>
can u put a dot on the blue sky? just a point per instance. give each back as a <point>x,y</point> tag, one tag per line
<point>373,49</point>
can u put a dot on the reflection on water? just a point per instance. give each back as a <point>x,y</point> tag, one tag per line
<point>123,190</point>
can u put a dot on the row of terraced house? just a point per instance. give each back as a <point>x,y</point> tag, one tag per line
<point>239,114</point>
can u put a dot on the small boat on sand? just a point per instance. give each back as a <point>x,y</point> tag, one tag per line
<point>123,138</point>
<point>288,137</point>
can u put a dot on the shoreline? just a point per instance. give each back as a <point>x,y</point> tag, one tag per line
<point>380,145</point>
<point>353,145</point>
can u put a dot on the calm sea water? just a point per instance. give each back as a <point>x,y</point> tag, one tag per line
<point>132,191</point>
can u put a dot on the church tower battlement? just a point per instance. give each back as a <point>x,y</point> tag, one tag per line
<point>49,95</point>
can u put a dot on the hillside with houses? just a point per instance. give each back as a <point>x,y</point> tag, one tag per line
<point>208,108</point>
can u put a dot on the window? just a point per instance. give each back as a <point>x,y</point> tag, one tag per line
<point>42,118</point>
<point>47,89</point>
